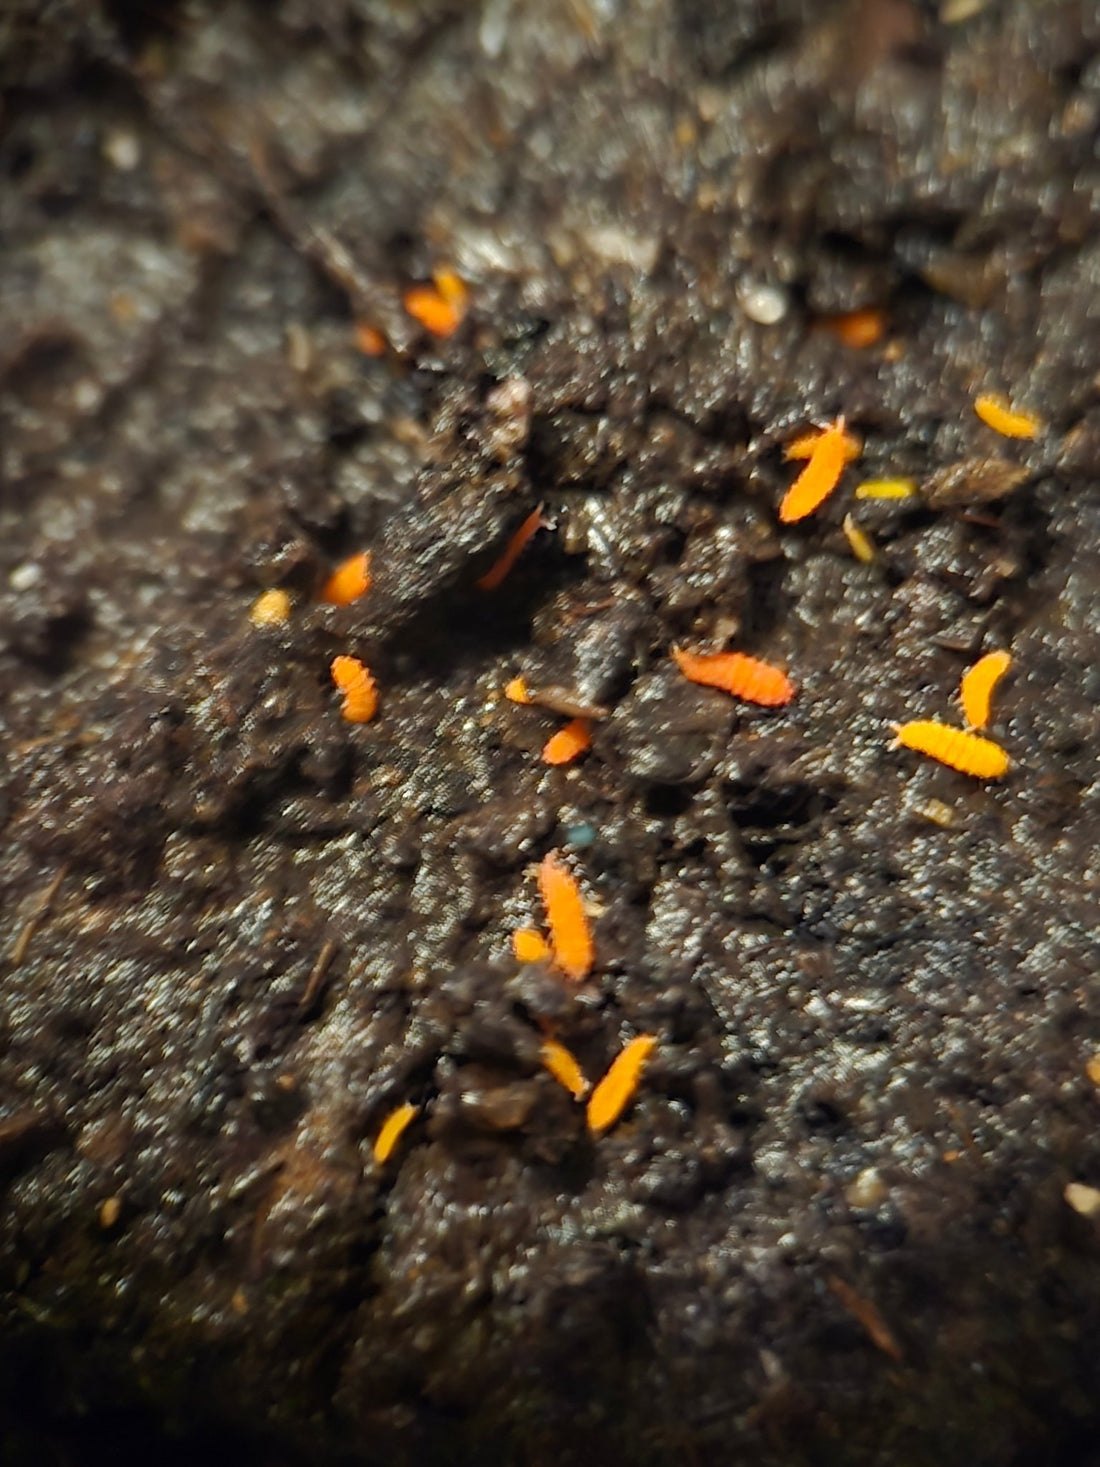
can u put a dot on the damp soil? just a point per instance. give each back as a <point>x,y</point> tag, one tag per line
<point>832,1227</point>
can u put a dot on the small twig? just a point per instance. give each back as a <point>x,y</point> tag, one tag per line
<point>317,975</point>
<point>863,1310</point>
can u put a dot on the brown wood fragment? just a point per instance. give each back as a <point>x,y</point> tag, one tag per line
<point>22,943</point>
<point>973,481</point>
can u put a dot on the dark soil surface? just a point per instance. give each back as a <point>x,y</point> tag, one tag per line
<point>239,930</point>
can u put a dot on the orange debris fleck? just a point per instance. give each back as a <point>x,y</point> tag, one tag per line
<point>564,1068</point>
<point>369,339</point>
<point>529,945</point>
<point>858,329</point>
<point>867,1314</point>
<point>734,673</point>
<point>349,581</point>
<point>616,1090</point>
<point>516,691</point>
<point>358,688</point>
<point>568,743</point>
<point>391,1130</point>
<point>570,935</point>
<point>427,306</point>
<point>996,413</point>
<point>440,307</point>
<point>820,477</point>
<point>978,682</point>
<point>512,551</point>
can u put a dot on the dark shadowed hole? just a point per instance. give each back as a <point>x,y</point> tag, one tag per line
<point>667,800</point>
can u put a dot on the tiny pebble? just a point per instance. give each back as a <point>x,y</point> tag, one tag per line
<point>1085,1200</point>
<point>579,836</point>
<point>764,304</point>
<point>867,1189</point>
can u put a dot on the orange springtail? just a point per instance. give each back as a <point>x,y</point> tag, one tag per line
<point>886,489</point>
<point>976,688</point>
<point>859,542</point>
<point>511,552</point>
<point>616,1090</point>
<point>741,676</point>
<point>570,935</point>
<point>820,477</point>
<point>358,688</point>
<point>995,413</point>
<point>803,446</point>
<point>568,743</point>
<point>564,1068</point>
<point>966,752</point>
<point>451,287</point>
<point>391,1130</point>
<point>529,945</point>
<point>349,581</point>
<point>441,307</point>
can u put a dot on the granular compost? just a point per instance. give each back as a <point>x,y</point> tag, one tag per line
<point>849,1215</point>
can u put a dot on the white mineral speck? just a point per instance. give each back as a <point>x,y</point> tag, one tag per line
<point>24,576</point>
<point>87,395</point>
<point>617,246</point>
<point>122,150</point>
<point>493,31</point>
